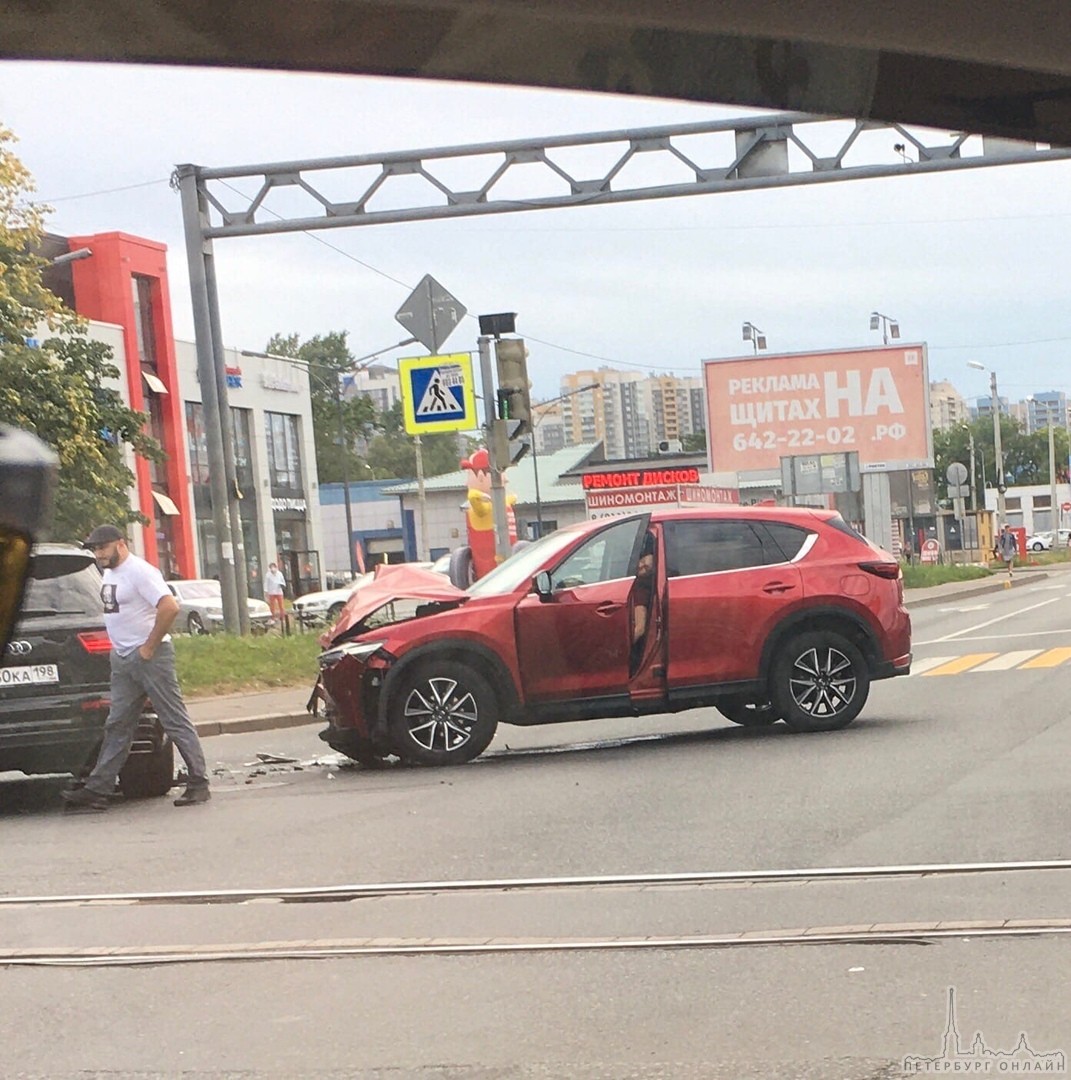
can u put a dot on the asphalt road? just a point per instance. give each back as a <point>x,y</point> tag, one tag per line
<point>964,761</point>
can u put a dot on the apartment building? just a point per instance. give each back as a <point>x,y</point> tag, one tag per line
<point>629,412</point>
<point>947,406</point>
<point>1048,409</point>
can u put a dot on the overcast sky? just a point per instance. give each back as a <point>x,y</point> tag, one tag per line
<point>973,264</point>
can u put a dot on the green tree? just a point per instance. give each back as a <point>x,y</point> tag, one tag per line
<point>62,389</point>
<point>393,452</point>
<point>389,452</point>
<point>694,443</point>
<point>1026,457</point>
<point>327,358</point>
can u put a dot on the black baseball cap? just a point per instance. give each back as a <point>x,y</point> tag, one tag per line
<point>103,534</point>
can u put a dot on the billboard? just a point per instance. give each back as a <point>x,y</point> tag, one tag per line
<point>875,402</point>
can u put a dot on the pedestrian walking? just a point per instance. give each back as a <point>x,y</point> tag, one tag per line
<point>138,612</point>
<point>1008,548</point>
<point>274,584</point>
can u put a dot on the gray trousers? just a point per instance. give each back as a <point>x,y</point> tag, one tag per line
<point>134,679</point>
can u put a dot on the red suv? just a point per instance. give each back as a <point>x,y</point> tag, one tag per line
<point>766,614</point>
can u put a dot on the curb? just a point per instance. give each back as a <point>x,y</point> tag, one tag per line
<point>981,590</point>
<point>240,725</point>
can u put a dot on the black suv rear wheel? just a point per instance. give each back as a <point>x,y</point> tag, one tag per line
<point>149,776</point>
<point>820,682</point>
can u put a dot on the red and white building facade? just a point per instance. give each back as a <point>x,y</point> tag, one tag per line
<point>123,289</point>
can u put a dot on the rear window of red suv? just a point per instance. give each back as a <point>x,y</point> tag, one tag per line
<point>710,547</point>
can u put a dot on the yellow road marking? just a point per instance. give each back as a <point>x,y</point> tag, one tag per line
<point>1050,658</point>
<point>965,663</point>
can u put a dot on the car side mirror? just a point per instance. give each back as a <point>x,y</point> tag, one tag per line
<point>543,585</point>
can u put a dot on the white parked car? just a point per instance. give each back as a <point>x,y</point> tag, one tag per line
<point>201,607</point>
<point>312,609</point>
<point>324,606</point>
<point>1044,541</point>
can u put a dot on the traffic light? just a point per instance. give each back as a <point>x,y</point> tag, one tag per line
<point>514,402</point>
<point>509,443</point>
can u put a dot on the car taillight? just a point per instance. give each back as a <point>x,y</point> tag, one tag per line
<point>95,641</point>
<point>889,570</point>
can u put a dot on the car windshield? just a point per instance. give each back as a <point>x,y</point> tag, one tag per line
<point>62,586</point>
<point>523,565</point>
<point>198,590</point>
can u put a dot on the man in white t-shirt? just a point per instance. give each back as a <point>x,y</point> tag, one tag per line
<point>138,612</point>
<point>274,584</point>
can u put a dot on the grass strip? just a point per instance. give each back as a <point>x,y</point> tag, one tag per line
<point>226,664</point>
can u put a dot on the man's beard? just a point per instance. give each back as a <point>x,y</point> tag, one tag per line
<point>110,563</point>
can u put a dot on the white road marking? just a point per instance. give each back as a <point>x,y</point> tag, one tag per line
<point>1000,618</point>
<point>1007,661</point>
<point>920,667</point>
<point>973,607</point>
<point>997,637</point>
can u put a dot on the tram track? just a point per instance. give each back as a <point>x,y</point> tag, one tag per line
<point>699,879</point>
<point>918,934</point>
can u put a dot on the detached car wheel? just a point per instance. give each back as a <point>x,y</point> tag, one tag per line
<point>195,624</point>
<point>149,776</point>
<point>462,573</point>
<point>820,682</point>
<point>442,713</point>
<point>747,711</point>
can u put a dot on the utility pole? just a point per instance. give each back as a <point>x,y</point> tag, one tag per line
<point>422,499</point>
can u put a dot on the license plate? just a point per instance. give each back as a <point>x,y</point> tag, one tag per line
<point>29,674</point>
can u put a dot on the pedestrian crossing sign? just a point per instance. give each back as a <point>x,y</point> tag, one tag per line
<point>438,393</point>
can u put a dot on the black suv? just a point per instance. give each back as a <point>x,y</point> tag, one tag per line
<point>54,680</point>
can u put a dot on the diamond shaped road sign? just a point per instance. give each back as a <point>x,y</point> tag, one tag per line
<point>430,313</point>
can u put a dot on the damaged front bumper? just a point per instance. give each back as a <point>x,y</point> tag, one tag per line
<point>351,676</point>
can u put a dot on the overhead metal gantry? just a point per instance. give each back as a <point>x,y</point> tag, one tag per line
<point>737,154</point>
<point>751,153</point>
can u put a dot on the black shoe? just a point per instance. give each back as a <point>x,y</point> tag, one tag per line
<point>84,799</point>
<point>194,793</point>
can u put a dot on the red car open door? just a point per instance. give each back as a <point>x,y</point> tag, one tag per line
<point>574,642</point>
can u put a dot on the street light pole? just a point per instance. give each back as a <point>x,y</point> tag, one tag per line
<point>997,449</point>
<point>1054,513</point>
<point>994,401</point>
<point>887,324</point>
<point>974,478</point>
<point>535,455</point>
<point>343,449</point>
<point>753,334</point>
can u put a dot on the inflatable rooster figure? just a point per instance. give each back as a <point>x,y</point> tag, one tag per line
<point>470,564</point>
